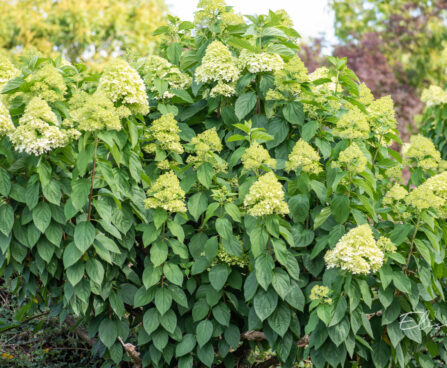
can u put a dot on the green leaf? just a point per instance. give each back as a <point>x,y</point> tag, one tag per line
<point>142,297</point>
<point>340,208</point>
<point>151,320</point>
<point>232,336</point>
<point>224,228</point>
<point>108,332</point>
<point>293,113</point>
<point>52,192</point>
<point>159,253</point>
<point>295,297</point>
<point>173,273</point>
<point>339,332</point>
<point>42,216</point>
<point>45,250</point>
<point>206,354</point>
<point>185,346</point>
<point>204,331</point>
<point>322,217</point>
<point>205,174</point>
<point>222,314</point>
<point>84,235</point>
<point>169,321</point>
<point>54,233</point>
<point>281,283</point>
<point>6,219</point>
<point>233,211</point>
<point>117,304</point>
<point>278,129</point>
<point>95,270</point>
<point>13,85</point>
<point>245,104</point>
<point>258,240</point>
<point>279,321</point>
<point>5,183</point>
<point>80,191</point>
<point>75,273</point>
<point>197,204</point>
<point>299,207</point>
<point>218,275</point>
<point>264,266</point>
<point>163,300</point>
<point>71,255</point>
<point>173,53</point>
<point>265,303</point>
<point>185,96</point>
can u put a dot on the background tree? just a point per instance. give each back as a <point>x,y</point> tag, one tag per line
<point>80,29</point>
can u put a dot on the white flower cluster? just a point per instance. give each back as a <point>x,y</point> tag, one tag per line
<point>156,67</point>
<point>7,71</point>
<point>38,131</point>
<point>121,83</point>
<point>262,62</point>
<point>433,96</point>
<point>356,252</point>
<point>218,65</point>
<point>6,125</point>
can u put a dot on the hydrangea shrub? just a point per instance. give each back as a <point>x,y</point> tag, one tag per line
<point>221,201</point>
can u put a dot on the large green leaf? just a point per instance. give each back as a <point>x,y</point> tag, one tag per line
<point>84,235</point>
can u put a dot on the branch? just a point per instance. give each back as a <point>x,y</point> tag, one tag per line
<point>25,321</point>
<point>83,334</point>
<point>132,352</point>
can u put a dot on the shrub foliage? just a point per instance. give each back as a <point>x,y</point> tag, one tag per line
<point>221,199</point>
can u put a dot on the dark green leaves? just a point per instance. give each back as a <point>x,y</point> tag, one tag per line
<point>340,208</point>
<point>244,104</point>
<point>108,332</point>
<point>204,331</point>
<point>5,183</point>
<point>185,346</point>
<point>293,113</point>
<point>218,275</point>
<point>265,303</point>
<point>42,216</point>
<point>197,204</point>
<point>6,219</point>
<point>84,235</point>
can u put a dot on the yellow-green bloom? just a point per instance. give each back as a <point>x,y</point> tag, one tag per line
<point>266,197</point>
<point>206,144</point>
<point>121,83</point>
<point>210,10</point>
<point>223,89</point>
<point>218,64</point>
<point>38,131</point>
<point>396,193</point>
<point>166,193</point>
<point>423,152</point>
<point>433,96</point>
<point>7,71</point>
<point>304,157</point>
<point>165,132</point>
<point>255,156</point>
<point>320,293</point>
<point>6,124</point>
<point>352,125</point>
<point>386,245</point>
<point>352,159</point>
<point>47,83</point>
<point>156,67</point>
<point>233,261</point>
<point>96,111</point>
<point>356,252</point>
<point>262,62</point>
<point>365,95</point>
<point>383,117</point>
<point>291,76</point>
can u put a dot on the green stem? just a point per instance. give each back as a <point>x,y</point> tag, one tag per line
<point>90,197</point>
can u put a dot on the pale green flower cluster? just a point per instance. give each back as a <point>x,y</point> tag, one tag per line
<point>7,71</point>
<point>47,83</point>
<point>38,131</point>
<point>383,117</point>
<point>394,173</point>
<point>210,10</point>
<point>321,293</point>
<point>262,62</point>
<point>386,245</point>
<point>165,132</point>
<point>321,73</point>
<point>352,125</point>
<point>6,124</point>
<point>422,152</point>
<point>166,193</point>
<point>291,76</point>
<point>433,96</point>
<point>352,159</point>
<point>218,64</point>
<point>223,89</point>
<point>395,194</point>
<point>222,195</point>
<point>365,95</point>
<point>164,165</point>
<point>304,157</point>
<point>356,252</point>
<point>96,111</point>
<point>156,67</point>
<point>121,83</point>
<point>206,144</point>
<point>256,156</point>
<point>431,194</point>
<point>233,261</point>
<point>266,197</point>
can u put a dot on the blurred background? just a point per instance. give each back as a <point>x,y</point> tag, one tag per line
<point>397,47</point>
